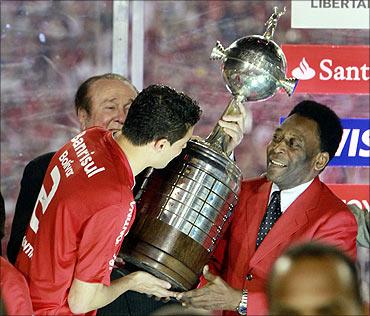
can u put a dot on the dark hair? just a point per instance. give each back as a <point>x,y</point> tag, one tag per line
<point>317,250</point>
<point>330,128</point>
<point>160,112</point>
<point>82,97</point>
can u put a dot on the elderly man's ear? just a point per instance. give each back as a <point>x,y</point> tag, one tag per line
<point>82,118</point>
<point>322,160</point>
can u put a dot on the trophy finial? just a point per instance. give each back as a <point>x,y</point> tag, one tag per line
<point>272,23</point>
<point>218,52</point>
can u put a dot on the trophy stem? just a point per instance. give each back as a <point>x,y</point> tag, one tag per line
<point>218,139</point>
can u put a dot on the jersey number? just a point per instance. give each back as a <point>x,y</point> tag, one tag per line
<point>44,198</point>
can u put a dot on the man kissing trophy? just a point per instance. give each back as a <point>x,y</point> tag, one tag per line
<point>183,209</point>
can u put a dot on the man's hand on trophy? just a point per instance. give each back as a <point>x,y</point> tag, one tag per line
<point>236,125</point>
<point>146,283</point>
<point>215,295</point>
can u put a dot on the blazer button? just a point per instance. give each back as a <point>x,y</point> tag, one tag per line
<point>249,277</point>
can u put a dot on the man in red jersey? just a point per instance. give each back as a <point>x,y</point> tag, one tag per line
<point>85,207</point>
<point>101,100</point>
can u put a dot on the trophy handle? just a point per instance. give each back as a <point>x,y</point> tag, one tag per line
<point>218,139</point>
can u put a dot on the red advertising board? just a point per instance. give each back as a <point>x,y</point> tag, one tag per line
<point>329,69</point>
<point>357,194</point>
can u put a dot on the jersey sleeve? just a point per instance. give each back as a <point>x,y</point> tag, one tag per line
<point>100,242</point>
<point>14,290</point>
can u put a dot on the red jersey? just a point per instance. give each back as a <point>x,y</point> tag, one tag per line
<point>14,290</point>
<point>84,210</point>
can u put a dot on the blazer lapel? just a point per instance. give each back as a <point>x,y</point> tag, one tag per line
<point>256,207</point>
<point>290,221</point>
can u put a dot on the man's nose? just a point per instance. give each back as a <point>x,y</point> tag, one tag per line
<point>280,146</point>
<point>121,115</point>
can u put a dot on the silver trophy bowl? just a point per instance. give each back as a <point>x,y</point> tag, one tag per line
<point>255,67</point>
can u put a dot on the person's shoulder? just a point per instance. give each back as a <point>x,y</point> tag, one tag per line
<point>8,269</point>
<point>41,160</point>
<point>328,196</point>
<point>333,205</point>
<point>37,167</point>
<point>90,133</point>
<point>254,183</point>
<point>252,187</point>
<point>96,130</point>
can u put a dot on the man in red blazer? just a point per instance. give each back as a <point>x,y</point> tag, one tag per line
<point>299,151</point>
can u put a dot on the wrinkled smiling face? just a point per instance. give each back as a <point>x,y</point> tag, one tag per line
<point>293,152</point>
<point>110,102</point>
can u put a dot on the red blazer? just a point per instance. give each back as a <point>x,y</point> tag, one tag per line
<point>317,214</point>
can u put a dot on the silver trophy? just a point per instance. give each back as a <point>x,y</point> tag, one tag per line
<point>254,69</point>
<point>183,209</point>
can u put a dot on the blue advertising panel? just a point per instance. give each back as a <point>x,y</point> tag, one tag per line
<point>354,148</point>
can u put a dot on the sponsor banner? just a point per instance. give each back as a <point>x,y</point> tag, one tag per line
<point>329,69</point>
<point>357,194</point>
<point>330,14</point>
<point>354,148</point>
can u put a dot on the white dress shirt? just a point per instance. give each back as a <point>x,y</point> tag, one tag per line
<point>287,197</point>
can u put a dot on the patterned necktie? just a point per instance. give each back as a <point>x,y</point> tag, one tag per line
<point>272,214</point>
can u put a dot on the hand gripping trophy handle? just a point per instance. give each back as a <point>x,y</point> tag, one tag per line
<point>218,139</point>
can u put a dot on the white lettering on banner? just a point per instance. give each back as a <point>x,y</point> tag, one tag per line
<point>27,247</point>
<point>351,73</point>
<point>363,204</point>
<point>354,141</point>
<point>84,156</point>
<point>341,73</point>
<point>340,4</point>
<point>330,14</point>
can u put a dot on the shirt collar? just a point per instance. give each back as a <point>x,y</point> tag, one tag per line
<point>287,197</point>
<point>119,152</point>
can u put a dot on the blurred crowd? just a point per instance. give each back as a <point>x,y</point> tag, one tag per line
<point>50,47</point>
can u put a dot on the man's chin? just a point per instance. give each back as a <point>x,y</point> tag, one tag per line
<point>272,174</point>
<point>269,177</point>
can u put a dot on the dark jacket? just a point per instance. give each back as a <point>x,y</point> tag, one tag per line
<point>31,183</point>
